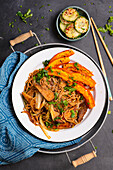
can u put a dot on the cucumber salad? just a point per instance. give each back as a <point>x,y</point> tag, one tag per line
<point>72,24</point>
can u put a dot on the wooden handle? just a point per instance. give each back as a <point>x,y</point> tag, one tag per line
<point>83,159</point>
<point>21,38</point>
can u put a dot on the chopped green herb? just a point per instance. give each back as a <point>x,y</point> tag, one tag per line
<point>50,10</point>
<point>36,44</point>
<point>103,37</point>
<point>19,30</point>
<point>76,111</point>
<point>110,11</point>
<point>88,103</point>
<point>102,29</point>
<point>51,125</point>
<point>52,102</point>
<point>34,77</point>
<point>35,4</point>
<point>12,26</point>
<point>95,147</point>
<point>92,3</point>
<point>37,19</point>
<point>65,102</point>
<point>58,73</point>
<point>41,6</point>
<point>56,95</point>
<point>85,4</point>
<point>110,19</point>
<point>15,20</point>
<point>81,97</point>
<point>46,62</point>
<point>106,45</point>
<point>47,29</point>
<point>76,65</point>
<point>22,42</point>
<point>109,112</point>
<point>72,114</point>
<point>112,131</point>
<point>47,124</point>
<point>50,68</point>
<point>58,124</point>
<point>69,89</point>
<point>41,35</point>
<point>57,118</point>
<point>48,4</point>
<point>20,6</point>
<point>109,6</point>
<point>74,84</point>
<point>24,16</point>
<point>42,17</point>
<point>30,23</point>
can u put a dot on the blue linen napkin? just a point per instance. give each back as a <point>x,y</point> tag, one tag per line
<point>16,143</point>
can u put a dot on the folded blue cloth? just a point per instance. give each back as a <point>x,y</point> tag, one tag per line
<point>16,143</point>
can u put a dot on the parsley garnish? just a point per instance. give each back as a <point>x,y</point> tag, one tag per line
<point>57,118</point>
<point>56,95</point>
<point>109,112</point>
<point>46,62</point>
<point>72,114</point>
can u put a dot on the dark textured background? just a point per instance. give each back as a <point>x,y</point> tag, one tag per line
<point>99,10</point>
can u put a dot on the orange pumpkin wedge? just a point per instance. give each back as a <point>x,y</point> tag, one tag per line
<point>76,67</point>
<point>58,62</point>
<point>66,53</point>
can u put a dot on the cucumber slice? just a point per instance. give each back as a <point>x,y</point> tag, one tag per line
<point>64,21</point>
<point>81,24</point>
<point>62,26</point>
<point>71,32</point>
<point>70,14</point>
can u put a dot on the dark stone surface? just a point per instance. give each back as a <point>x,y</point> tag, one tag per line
<point>99,10</point>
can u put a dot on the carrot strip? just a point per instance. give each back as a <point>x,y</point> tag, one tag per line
<point>66,53</point>
<point>76,67</point>
<point>58,62</point>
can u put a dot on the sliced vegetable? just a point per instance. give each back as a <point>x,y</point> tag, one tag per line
<point>38,100</point>
<point>58,62</point>
<point>87,95</point>
<point>76,67</point>
<point>67,75</point>
<point>62,26</point>
<point>54,114</point>
<point>66,53</point>
<point>46,93</point>
<point>81,24</point>
<point>64,21</point>
<point>70,14</point>
<point>27,97</point>
<point>71,32</point>
<point>56,72</point>
<point>43,127</point>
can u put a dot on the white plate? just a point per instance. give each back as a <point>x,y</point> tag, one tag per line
<point>90,118</point>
